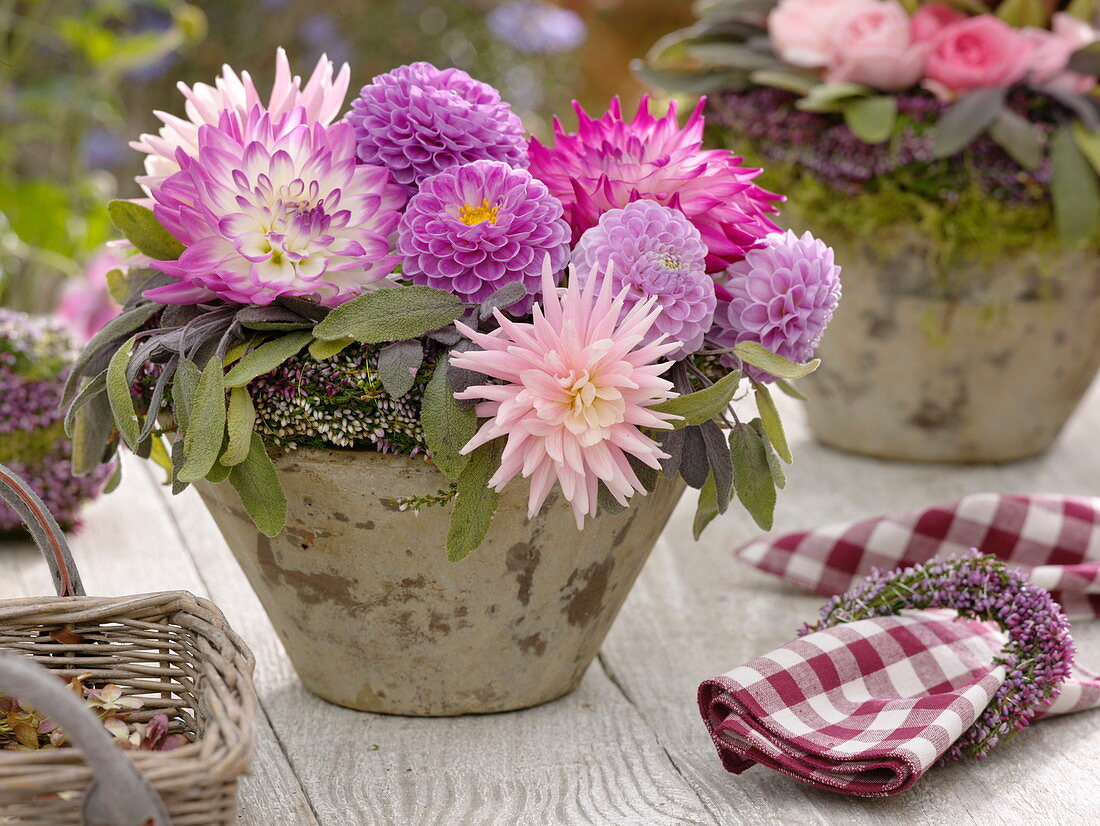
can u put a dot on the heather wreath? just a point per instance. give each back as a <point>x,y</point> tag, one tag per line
<point>944,117</point>
<point>420,278</point>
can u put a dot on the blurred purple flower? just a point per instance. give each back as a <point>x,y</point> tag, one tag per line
<point>536,27</point>
<point>86,303</point>
<point>782,296</point>
<point>655,251</point>
<point>103,149</point>
<point>472,229</point>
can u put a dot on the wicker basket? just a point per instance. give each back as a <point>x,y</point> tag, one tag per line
<point>173,650</point>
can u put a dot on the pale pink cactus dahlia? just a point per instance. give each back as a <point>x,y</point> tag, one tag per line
<point>322,98</point>
<point>578,384</point>
<point>269,207</point>
<point>611,162</point>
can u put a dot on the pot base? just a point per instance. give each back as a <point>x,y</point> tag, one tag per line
<point>375,618</point>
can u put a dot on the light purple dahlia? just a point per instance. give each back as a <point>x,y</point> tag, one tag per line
<point>610,162</point>
<point>276,206</point>
<point>419,120</point>
<point>782,295</point>
<point>655,251</point>
<point>536,27</point>
<point>473,229</point>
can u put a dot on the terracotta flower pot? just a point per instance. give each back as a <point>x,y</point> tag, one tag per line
<point>989,376</point>
<point>375,618</point>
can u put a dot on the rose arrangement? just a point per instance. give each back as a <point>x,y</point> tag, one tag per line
<point>420,277</point>
<point>957,115</point>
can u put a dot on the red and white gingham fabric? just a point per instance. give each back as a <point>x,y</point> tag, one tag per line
<point>865,708</point>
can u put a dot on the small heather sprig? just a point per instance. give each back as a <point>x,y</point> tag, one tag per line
<point>1038,656</point>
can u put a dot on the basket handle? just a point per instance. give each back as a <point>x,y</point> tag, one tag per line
<point>45,531</point>
<point>119,794</point>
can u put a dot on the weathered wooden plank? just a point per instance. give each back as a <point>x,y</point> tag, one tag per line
<point>588,758</point>
<point>696,612</point>
<point>130,544</point>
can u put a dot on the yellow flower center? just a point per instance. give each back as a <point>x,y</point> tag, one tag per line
<point>590,404</point>
<point>470,215</point>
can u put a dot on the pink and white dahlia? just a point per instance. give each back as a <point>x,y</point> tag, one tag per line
<point>269,207</point>
<point>322,98</point>
<point>610,162</point>
<point>577,386</point>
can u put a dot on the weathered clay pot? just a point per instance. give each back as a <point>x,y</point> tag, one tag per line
<point>988,375</point>
<point>375,618</point>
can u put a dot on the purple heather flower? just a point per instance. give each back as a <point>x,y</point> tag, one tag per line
<point>655,251</point>
<point>419,120</point>
<point>782,295</point>
<point>473,229</point>
<point>34,357</point>
<point>1039,654</point>
<point>536,27</point>
<point>275,207</point>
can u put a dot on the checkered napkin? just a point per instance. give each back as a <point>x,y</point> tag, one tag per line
<point>867,707</point>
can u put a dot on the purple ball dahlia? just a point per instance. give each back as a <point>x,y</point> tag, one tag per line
<point>781,295</point>
<point>35,354</point>
<point>273,207</point>
<point>611,162</point>
<point>476,227</point>
<point>419,120</point>
<point>654,251</point>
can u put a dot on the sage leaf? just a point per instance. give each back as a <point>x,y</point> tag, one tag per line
<point>872,119</point>
<point>144,231</point>
<point>1086,60</point>
<point>398,364</point>
<point>475,502</point>
<point>1018,138</point>
<point>118,393</point>
<point>832,97</point>
<point>1020,13</point>
<point>257,483</point>
<point>321,350</point>
<point>706,509</point>
<point>502,299</point>
<point>1074,190</point>
<point>757,355</point>
<point>392,314</point>
<point>117,328</point>
<point>778,476</point>
<point>608,503</point>
<point>240,419</point>
<point>183,392</point>
<point>800,83</point>
<point>92,436</point>
<point>966,120</point>
<point>91,390</point>
<point>752,477</point>
<point>646,475</point>
<point>788,389</point>
<point>447,427</point>
<point>266,358</point>
<point>202,441</point>
<point>1089,144</point>
<point>769,416</point>
<point>718,458</point>
<point>702,405</point>
<point>694,468</point>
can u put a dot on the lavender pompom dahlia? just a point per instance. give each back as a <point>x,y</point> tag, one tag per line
<point>654,250</point>
<point>1039,654</point>
<point>419,120</point>
<point>276,207</point>
<point>473,229</point>
<point>34,357</point>
<point>782,296</point>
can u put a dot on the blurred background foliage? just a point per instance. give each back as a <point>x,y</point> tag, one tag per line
<point>78,80</point>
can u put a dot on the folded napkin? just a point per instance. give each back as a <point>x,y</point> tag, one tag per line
<point>866,707</point>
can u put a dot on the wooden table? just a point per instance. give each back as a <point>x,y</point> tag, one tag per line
<point>628,746</point>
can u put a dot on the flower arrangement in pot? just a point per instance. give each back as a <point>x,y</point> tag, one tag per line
<point>949,151</point>
<point>378,344</point>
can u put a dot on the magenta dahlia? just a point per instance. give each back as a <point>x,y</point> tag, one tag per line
<point>611,162</point>
<point>476,227</point>
<point>419,120</point>
<point>654,250</point>
<point>272,207</point>
<point>782,296</point>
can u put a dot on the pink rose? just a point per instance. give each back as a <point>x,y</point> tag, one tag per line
<point>1051,51</point>
<point>873,45</point>
<point>977,53</point>
<point>930,20</point>
<point>801,30</point>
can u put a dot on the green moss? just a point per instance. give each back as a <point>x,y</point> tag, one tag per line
<point>30,446</point>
